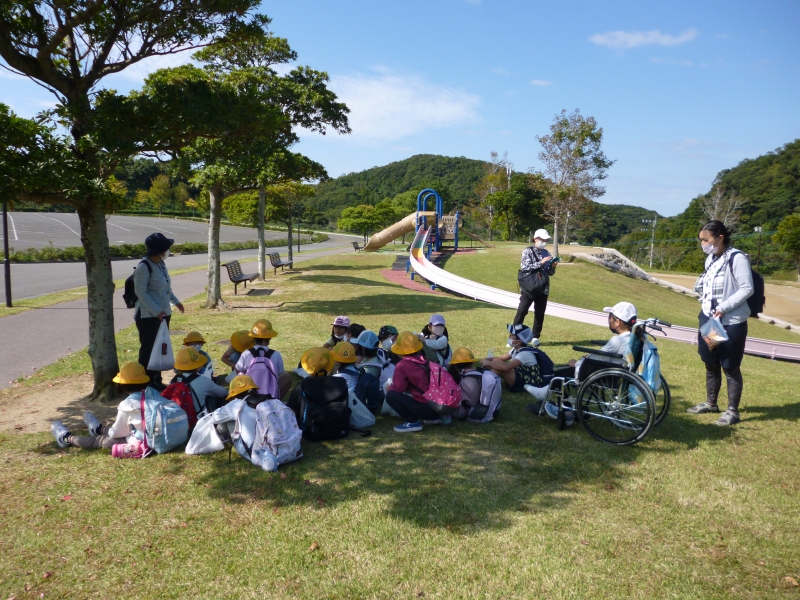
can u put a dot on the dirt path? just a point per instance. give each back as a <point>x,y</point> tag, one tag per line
<point>783,300</point>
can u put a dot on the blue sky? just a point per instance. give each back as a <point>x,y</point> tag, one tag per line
<point>682,90</point>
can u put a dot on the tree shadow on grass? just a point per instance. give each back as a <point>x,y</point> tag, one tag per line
<point>377,304</point>
<point>786,412</point>
<point>465,478</point>
<point>343,267</point>
<point>342,280</point>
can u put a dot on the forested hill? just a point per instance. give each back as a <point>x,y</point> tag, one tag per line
<point>455,178</point>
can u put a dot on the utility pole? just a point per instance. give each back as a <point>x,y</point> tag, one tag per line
<point>491,219</point>
<point>604,229</point>
<point>6,257</point>
<point>652,221</point>
<point>758,260</point>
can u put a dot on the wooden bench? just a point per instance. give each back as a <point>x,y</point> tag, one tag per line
<point>275,261</point>
<point>236,275</point>
<point>356,247</point>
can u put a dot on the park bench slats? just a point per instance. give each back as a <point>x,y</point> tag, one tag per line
<point>236,276</point>
<point>275,261</point>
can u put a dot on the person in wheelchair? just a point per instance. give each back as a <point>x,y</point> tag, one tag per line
<point>519,367</point>
<point>621,319</point>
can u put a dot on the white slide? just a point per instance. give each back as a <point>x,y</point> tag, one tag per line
<point>485,293</point>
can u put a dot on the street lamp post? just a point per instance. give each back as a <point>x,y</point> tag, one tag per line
<point>6,257</point>
<point>758,259</point>
<point>652,221</point>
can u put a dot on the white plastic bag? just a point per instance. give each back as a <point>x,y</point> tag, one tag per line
<point>360,417</point>
<point>161,358</point>
<point>205,438</point>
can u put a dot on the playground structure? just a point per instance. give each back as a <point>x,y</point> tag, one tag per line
<point>420,263</point>
<point>444,228</point>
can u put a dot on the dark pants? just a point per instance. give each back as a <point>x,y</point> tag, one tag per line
<point>726,357</point>
<point>539,305</point>
<point>148,329</point>
<point>409,409</point>
<point>95,442</point>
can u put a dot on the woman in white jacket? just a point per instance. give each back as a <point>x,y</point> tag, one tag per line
<point>724,288</point>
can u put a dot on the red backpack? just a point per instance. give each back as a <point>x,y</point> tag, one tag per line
<point>181,393</point>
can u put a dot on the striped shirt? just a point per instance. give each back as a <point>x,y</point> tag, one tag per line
<point>153,289</point>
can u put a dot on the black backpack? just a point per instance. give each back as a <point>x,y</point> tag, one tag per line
<point>129,295</point>
<point>546,367</point>
<point>368,388</point>
<point>324,408</point>
<point>757,299</point>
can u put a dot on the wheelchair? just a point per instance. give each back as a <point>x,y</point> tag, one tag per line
<point>617,398</point>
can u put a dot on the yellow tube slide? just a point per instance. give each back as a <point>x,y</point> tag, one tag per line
<point>403,226</point>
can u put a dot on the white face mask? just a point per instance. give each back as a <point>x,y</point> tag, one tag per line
<point>165,256</point>
<point>512,342</point>
<point>708,248</point>
<point>541,245</point>
<point>437,329</point>
<point>196,346</point>
<point>387,344</point>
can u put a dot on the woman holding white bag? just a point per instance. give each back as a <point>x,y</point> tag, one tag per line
<point>153,298</point>
<point>724,288</point>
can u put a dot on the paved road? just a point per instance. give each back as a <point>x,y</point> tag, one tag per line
<point>29,280</point>
<point>28,343</point>
<point>37,230</point>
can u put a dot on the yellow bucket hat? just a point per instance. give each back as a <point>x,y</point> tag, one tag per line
<point>194,337</point>
<point>262,329</point>
<point>344,352</point>
<point>241,383</point>
<point>462,355</point>
<point>407,343</point>
<point>242,341</point>
<point>131,372</point>
<point>315,360</point>
<point>189,359</point>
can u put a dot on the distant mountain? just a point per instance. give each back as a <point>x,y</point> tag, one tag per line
<point>455,178</point>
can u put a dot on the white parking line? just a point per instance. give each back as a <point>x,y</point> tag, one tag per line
<point>117,226</point>
<point>13,227</point>
<point>62,222</point>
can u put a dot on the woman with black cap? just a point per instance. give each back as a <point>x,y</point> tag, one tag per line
<point>154,295</point>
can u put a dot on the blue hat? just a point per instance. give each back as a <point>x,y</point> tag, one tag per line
<point>157,243</point>
<point>367,339</point>
<point>523,332</point>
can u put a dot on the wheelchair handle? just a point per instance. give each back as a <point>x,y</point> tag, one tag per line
<point>597,352</point>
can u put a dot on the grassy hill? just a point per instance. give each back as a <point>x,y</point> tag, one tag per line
<point>512,509</point>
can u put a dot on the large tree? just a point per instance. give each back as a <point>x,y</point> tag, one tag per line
<point>788,238</point>
<point>575,164</point>
<point>69,48</point>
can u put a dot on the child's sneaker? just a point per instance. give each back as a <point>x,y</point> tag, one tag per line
<point>93,424</point>
<point>61,433</point>
<point>552,411</point>
<point>408,427</point>
<point>535,342</point>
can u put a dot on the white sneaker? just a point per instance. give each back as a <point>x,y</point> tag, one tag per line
<point>535,342</point>
<point>540,393</point>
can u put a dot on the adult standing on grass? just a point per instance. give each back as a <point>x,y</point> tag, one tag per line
<point>154,296</point>
<point>535,269</point>
<point>724,288</point>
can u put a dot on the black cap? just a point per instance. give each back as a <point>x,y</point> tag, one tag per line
<point>157,243</point>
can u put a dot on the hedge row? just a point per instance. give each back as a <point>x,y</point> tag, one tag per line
<point>75,253</point>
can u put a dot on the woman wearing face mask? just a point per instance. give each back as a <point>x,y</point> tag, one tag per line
<point>724,288</point>
<point>535,259</point>
<point>154,296</point>
<point>434,336</point>
<point>340,325</point>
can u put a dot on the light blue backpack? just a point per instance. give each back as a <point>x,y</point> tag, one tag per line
<point>166,423</point>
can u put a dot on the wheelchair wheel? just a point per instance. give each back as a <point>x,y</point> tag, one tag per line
<point>663,401</point>
<point>615,406</point>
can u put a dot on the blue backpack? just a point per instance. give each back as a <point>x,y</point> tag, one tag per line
<point>166,425</point>
<point>368,389</point>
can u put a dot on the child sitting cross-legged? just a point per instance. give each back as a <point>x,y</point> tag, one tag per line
<point>345,356</point>
<point>481,390</point>
<point>206,394</point>
<point>319,364</point>
<point>338,331</point>
<point>240,341</point>
<point>195,339</point>
<point>262,333</point>
<point>131,380</point>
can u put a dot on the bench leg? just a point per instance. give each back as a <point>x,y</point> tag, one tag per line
<point>235,288</point>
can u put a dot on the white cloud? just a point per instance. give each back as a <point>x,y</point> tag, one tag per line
<point>540,82</point>
<point>391,107</point>
<point>632,39</point>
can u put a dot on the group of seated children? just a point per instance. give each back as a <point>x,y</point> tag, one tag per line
<point>399,361</point>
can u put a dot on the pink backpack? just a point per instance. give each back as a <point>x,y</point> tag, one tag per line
<point>263,372</point>
<point>444,394</point>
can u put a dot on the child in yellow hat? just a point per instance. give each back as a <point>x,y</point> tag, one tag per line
<point>195,339</point>
<point>262,333</point>
<point>131,380</point>
<point>319,363</point>
<point>207,395</point>
<point>344,353</point>
<point>240,341</point>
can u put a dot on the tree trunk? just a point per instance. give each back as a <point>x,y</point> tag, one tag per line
<point>262,203</point>
<point>213,294</point>
<point>100,297</point>
<point>289,237</point>
<point>555,236</point>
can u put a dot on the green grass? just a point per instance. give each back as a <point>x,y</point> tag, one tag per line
<point>590,286</point>
<point>511,509</point>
